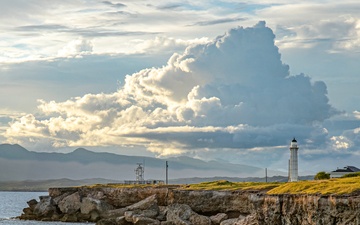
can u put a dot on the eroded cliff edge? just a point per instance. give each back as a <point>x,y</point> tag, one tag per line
<point>174,205</point>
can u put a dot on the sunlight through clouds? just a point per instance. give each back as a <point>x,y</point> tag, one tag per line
<point>233,92</point>
<point>163,76</point>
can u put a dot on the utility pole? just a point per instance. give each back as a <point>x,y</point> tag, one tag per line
<point>266,175</point>
<point>166,167</point>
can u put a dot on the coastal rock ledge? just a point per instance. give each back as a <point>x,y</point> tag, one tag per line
<point>171,205</point>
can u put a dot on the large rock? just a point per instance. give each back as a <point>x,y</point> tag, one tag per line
<point>147,203</point>
<point>70,204</point>
<point>109,221</point>
<point>90,204</point>
<point>218,218</point>
<point>181,211</point>
<point>167,223</point>
<point>248,220</point>
<point>146,208</point>
<point>142,220</point>
<point>123,197</point>
<point>181,214</point>
<point>210,202</point>
<point>32,204</point>
<point>162,213</point>
<point>199,219</point>
<point>229,221</point>
<point>121,221</point>
<point>114,213</point>
<point>45,208</point>
<point>69,218</point>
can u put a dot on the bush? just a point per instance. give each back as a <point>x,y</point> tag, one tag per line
<point>322,176</point>
<point>351,175</point>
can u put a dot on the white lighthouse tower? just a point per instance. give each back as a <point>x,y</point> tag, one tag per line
<point>293,164</point>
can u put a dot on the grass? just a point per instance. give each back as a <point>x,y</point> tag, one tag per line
<point>119,185</point>
<point>337,186</point>
<point>331,186</point>
<point>227,185</point>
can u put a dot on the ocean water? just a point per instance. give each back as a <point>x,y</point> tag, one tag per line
<point>12,204</point>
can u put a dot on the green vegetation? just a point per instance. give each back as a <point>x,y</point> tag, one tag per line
<point>357,174</point>
<point>227,185</point>
<point>322,176</point>
<point>331,186</point>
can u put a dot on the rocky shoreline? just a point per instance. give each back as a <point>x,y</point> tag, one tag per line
<point>171,205</point>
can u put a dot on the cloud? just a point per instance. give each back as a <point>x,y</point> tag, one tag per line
<point>115,5</point>
<point>171,6</point>
<point>76,48</point>
<point>218,21</point>
<point>166,44</point>
<point>329,27</point>
<point>232,93</point>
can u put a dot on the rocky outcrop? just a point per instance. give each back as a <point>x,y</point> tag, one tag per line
<point>173,206</point>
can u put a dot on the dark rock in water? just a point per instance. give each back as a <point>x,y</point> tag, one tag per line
<point>32,204</point>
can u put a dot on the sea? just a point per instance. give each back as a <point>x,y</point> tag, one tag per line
<point>12,204</point>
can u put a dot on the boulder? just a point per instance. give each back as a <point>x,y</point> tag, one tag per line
<point>229,221</point>
<point>69,218</point>
<point>45,208</point>
<point>57,199</point>
<point>162,213</point>
<point>141,220</point>
<point>180,211</point>
<point>167,223</point>
<point>181,214</point>
<point>248,220</point>
<point>128,215</point>
<point>147,203</point>
<point>109,221</point>
<point>114,213</point>
<point>199,219</point>
<point>121,221</point>
<point>218,218</point>
<point>70,204</point>
<point>90,204</point>
<point>28,211</point>
<point>146,208</point>
<point>32,204</point>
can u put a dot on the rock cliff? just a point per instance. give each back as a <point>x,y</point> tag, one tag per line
<point>173,205</point>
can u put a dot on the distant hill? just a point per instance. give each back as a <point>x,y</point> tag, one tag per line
<point>17,163</point>
<point>44,185</point>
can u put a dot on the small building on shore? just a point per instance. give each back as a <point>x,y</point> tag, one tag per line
<point>342,171</point>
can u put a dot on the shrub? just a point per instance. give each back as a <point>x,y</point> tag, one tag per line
<point>322,176</point>
<point>351,175</point>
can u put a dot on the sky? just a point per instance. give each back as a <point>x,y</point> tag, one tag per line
<point>215,80</point>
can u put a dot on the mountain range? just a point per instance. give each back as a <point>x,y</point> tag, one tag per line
<point>17,163</point>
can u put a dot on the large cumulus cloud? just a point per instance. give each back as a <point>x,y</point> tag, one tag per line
<point>233,93</point>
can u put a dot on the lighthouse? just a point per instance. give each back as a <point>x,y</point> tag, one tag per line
<point>293,162</point>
